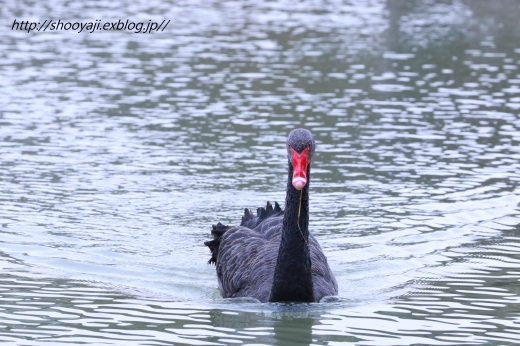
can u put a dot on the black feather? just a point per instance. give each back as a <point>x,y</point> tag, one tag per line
<point>217,231</point>
<point>250,221</point>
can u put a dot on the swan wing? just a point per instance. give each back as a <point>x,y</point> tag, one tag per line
<point>245,264</point>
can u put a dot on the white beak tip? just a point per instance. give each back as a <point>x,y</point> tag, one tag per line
<point>299,183</point>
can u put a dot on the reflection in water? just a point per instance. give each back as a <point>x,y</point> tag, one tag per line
<point>283,326</point>
<point>118,151</point>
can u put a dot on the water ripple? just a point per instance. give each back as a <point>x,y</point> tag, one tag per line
<point>118,151</point>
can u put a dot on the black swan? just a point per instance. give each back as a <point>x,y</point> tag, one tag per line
<point>271,256</point>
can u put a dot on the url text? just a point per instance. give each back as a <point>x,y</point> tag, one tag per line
<point>90,27</point>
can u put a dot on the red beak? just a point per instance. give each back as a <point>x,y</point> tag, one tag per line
<point>299,163</point>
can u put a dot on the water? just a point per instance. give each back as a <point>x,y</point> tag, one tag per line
<point>119,150</point>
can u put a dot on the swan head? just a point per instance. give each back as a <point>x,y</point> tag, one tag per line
<point>300,148</point>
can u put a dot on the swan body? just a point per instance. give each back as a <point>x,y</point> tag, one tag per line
<point>272,256</point>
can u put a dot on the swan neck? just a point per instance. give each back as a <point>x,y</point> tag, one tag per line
<point>293,277</point>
